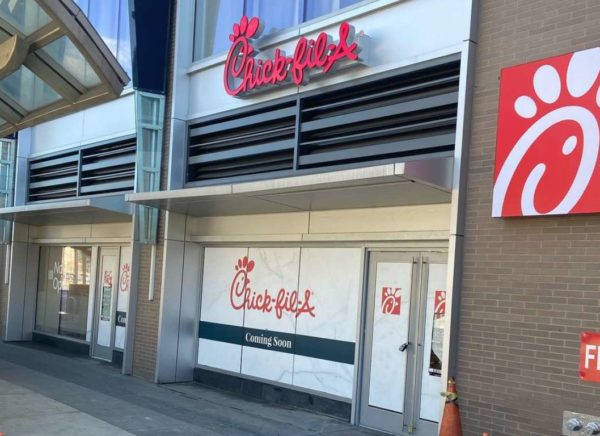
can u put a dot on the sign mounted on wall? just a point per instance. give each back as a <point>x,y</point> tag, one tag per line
<point>248,71</point>
<point>589,360</point>
<point>548,137</point>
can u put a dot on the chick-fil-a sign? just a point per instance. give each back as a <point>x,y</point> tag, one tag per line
<point>245,72</point>
<point>243,297</point>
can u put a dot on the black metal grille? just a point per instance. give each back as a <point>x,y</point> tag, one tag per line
<point>393,118</point>
<point>411,114</point>
<point>100,169</point>
<point>53,177</point>
<point>257,142</point>
<point>108,168</point>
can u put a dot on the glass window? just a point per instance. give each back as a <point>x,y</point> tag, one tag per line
<point>25,15</point>
<point>123,44</point>
<point>215,18</point>
<point>316,8</point>
<point>28,90</point>
<point>275,14</point>
<point>66,54</point>
<point>110,18</point>
<point>63,291</point>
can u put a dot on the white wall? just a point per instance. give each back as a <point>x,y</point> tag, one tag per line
<point>108,120</point>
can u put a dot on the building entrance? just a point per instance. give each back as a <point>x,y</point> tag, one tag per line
<point>402,344</point>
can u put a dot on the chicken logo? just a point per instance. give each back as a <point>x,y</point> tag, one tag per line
<point>548,137</point>
<point>390,300</point>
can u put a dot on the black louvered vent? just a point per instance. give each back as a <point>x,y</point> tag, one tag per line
<point>258,141</point>
<point>53,177</point>
<point>108,168</point>
<point>100,169</point>
<point>410,114</point>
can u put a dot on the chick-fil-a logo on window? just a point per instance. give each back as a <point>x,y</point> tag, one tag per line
<point>246,72</point>
<point>243,297</point>
<point>548,137</point>
<point>390,300</point>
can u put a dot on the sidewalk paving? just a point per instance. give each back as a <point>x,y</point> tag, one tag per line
<point>47,392</point>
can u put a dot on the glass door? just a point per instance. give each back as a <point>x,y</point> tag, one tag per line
<point>106,299</point>
<point>402,344</point>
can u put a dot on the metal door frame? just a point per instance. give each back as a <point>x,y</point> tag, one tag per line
<point>411,421</point>
<point>98,304</point>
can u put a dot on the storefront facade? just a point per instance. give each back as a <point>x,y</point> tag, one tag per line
<point>72,243</point>
<point>531,289</point>
<point>313,210</point>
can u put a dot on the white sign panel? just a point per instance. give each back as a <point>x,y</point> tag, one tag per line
<point>282,314</point>
<point>391,314</point>
<point>333,276</point>
<point>216,308</point>
<point>275,269</point>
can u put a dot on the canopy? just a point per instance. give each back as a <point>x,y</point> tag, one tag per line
<point>52,62</point>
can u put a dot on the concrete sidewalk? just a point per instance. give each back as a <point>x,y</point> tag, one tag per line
<point>46,392</point>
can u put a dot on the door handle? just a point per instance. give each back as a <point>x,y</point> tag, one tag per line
<point>404,346</point>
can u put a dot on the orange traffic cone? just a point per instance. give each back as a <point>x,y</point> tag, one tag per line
<point>451,425</point>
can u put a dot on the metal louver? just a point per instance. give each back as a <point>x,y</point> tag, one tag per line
<point>259,141</point>
<point>401,116</point>
<point>410,115</point>
<point>108,168</point>
<point>99,169</point>
<point>53,177</point>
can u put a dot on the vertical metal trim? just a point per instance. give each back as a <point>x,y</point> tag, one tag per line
<point>297,133</point>
<point>128,346</point>
<point>458,203</point>
<point>360,327</point>
<point>152,278</point>
<point>79,171</point>
<point>92,301</point>
<point>420,341</point>
<point>7,258</point>
<point>199,302</point>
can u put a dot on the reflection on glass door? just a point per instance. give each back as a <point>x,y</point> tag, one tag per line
<point>63,291</point>
<point>403,343</point>
<point>105,311</point>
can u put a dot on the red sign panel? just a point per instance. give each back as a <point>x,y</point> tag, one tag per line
<point>246,72</point>
<point>390,300</point>
<point>589,359</point>
<point>548,137</point>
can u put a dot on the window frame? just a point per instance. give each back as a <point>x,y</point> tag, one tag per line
<point>276,36</point>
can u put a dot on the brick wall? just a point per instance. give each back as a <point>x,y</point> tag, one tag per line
<point>146,322</point>
<point>531,285</point>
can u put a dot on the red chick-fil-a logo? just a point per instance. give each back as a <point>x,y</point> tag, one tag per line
<point>245,73</point>
<point>548,137</point>
<point>391,300</point>
<point>243,297</point>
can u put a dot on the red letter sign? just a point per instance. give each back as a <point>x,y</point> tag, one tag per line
<point>548,137</point>
<point>245,72</point>
<point>589,360</point>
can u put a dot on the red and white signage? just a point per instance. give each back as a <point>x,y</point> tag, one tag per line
<point>589,360</point>
<point>242,296</point>
<point>390,300</point>
<point>548,137</point>
<point>439,310</point>
<point>246,72</point>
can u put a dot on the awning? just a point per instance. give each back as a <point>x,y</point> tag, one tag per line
<point>411,183</point>
<point>52,62</point>
<point>109,209</point>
